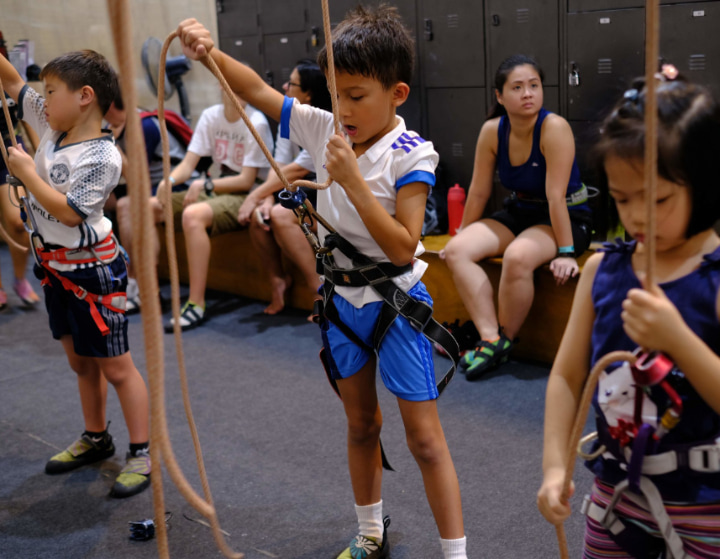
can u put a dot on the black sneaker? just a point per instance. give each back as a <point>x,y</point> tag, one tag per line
<point>134,478</point>
<point>86,450</point>
<point>365,547</point>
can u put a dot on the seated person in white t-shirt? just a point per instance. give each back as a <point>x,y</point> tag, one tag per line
<point>274,229</point>
<point>209,207</point>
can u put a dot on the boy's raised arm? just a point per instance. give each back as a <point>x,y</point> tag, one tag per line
<point>243,80</point>
<point>11,80</point>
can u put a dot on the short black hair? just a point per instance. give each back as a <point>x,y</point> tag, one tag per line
<point>312,80</point>
<point>688,142</point>
<point>373,42</point>
<point>86,67</point>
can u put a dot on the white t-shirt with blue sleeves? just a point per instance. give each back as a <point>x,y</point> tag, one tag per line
<point>400,157</point>
<point>86,172</point>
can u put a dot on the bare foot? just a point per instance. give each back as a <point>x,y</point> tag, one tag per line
<point>279,288</point>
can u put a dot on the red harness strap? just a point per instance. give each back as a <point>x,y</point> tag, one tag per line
<point>104,251</point>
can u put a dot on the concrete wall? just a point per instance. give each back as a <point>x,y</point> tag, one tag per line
<point>58,27</point>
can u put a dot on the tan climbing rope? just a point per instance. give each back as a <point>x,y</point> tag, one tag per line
<point>138,184</point>
<point>652,27</point>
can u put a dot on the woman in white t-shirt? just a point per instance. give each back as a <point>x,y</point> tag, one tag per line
<point>274,229</point>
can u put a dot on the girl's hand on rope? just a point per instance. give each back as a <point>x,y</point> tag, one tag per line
<point>193,193</point>
<point>195,39</point>
<point>564,268</point>
<point>160,192</point>
<point>341,162</point>
<point>23,166</point>
<point>650,319</point>
<point>548,498</point>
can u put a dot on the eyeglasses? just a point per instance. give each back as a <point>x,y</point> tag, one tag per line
<point>290,84</point>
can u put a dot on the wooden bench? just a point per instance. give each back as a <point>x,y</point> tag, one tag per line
<point>235,268</point>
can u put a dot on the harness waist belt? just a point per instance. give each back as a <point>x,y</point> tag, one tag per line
<point>361,276</point>
<point>703,458</point>
<point>104,252</point>
<point>575,199</point>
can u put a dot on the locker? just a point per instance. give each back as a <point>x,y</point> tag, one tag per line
<point>587,134</point>
<point>607,50</point>
<point>237,18</point>
<point>338,10</point>
<point>455,116</point>
<point>689,40</point>
<point>551,98</point>
<point>590,5</point>
<point>411,111</point>
<point>245,49</point>
<point>524,27</point>
<point>282,16</point>
<point>451,43</point>
<point>282,52</point>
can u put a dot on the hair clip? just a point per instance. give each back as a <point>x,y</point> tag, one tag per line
<point>668,72</point>
<point>631,95</point>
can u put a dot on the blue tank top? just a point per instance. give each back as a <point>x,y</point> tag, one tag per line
<point>529,178</point>
<point>695,296</point>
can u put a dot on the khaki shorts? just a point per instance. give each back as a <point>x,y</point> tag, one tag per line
<point>224,207</point>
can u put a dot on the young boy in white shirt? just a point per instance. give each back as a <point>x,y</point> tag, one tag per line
<point>382,174</point>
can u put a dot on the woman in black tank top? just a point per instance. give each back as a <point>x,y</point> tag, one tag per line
<point>534,153</point>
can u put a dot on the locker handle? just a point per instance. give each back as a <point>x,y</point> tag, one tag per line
<point>219,6</point>
<point>428,29</point>
<point>574,76</point>
<point>270,78</point>
<point>495,20</point>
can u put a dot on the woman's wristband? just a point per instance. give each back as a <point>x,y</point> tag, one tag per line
<point>566,251</point>
<point>171,180</point>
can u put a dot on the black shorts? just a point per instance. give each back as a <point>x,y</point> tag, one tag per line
<point>69,315</point>
<point>519,218</point>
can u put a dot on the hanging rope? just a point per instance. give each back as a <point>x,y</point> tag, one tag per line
<point>143,225</point>
<point>652,49</point>
<point>3,233</point>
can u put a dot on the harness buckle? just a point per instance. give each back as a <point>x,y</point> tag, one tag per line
<point>81,293</point>
<point>372,274</point>
<point>705,458</point>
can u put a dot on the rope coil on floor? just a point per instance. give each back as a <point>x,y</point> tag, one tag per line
<point>652,26</point>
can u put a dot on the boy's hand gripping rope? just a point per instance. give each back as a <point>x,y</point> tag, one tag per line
<point>652,25</point>
<point>138,180</point>
<point>12,181</point>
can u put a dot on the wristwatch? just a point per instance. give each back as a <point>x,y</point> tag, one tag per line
<point>209,186</point>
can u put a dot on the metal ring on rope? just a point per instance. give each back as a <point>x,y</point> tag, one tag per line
<point>652,26</point>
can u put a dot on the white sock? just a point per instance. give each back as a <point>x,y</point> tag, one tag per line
<point>370,521</point>
<point>454,549</point>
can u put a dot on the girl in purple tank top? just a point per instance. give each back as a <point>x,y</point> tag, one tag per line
<point>658,446</point>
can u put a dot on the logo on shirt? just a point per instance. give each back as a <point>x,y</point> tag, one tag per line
<point>59,173</point>
<point>407,142</point>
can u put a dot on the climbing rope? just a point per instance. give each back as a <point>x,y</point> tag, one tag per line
<point>138,183</point>
<point>3,233</point>
<point>652,49</point>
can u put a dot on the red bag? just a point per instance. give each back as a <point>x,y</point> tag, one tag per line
<point>176,125</point>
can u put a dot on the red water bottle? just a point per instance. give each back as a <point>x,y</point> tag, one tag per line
<point>456,206</point>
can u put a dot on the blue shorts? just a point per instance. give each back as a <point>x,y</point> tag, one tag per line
<point>69,315</point>
<point>405,356</point>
